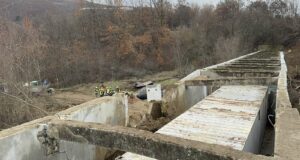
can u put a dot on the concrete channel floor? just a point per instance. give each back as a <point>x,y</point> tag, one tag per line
<point>230,117</point>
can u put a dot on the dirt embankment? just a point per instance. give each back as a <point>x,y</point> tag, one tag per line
<point>293,61</point>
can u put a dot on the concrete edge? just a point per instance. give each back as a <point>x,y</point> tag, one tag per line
<point>144,142</point>
<point>28,125</point>
<point>85,105</point>
<point>230,61</point>
<point>198,71</point>
<point>287,127</point>
<point>60,115</point>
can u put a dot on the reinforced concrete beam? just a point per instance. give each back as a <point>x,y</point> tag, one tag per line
<point>233,81</point>
<point>144,143</point>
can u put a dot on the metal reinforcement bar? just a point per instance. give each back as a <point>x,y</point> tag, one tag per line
<point>143,142</point>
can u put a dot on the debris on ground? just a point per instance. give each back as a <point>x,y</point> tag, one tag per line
<point>139,85</point>
<point>67,97</point>
<point>39,87</point>
<point>142,93</point>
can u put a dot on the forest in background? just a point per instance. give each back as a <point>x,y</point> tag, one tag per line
<point>75,42</point>
<point>107,42</point>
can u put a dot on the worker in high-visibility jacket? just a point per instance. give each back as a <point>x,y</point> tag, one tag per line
<point>109,91</point>
<point>117,89</point>
<point>97,92</point>
<point>102,90</point>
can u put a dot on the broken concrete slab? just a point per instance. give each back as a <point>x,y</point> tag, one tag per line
<point>155,110</point>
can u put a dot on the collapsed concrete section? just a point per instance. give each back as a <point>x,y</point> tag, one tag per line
<point>259,68</point>
<point>80,139</point>
<point>21,142</point>
<point>182,97</point>
<point>233,116</point>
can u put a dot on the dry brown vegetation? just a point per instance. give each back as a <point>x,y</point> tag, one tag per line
<point>93,42</point>
<point>104,42</point>
<point>292,59</point>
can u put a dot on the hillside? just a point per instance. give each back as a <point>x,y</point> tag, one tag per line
<point>36,10</point>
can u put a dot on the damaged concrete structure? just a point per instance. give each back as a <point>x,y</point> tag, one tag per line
<point>238,94</point>
<point>233,116</point>
<point>21,142</point>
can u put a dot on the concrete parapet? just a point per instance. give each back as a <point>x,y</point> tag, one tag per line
<point>287,128</point>
<point>21,142</point>
<point>145,143</point>
<point>106,110</point>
